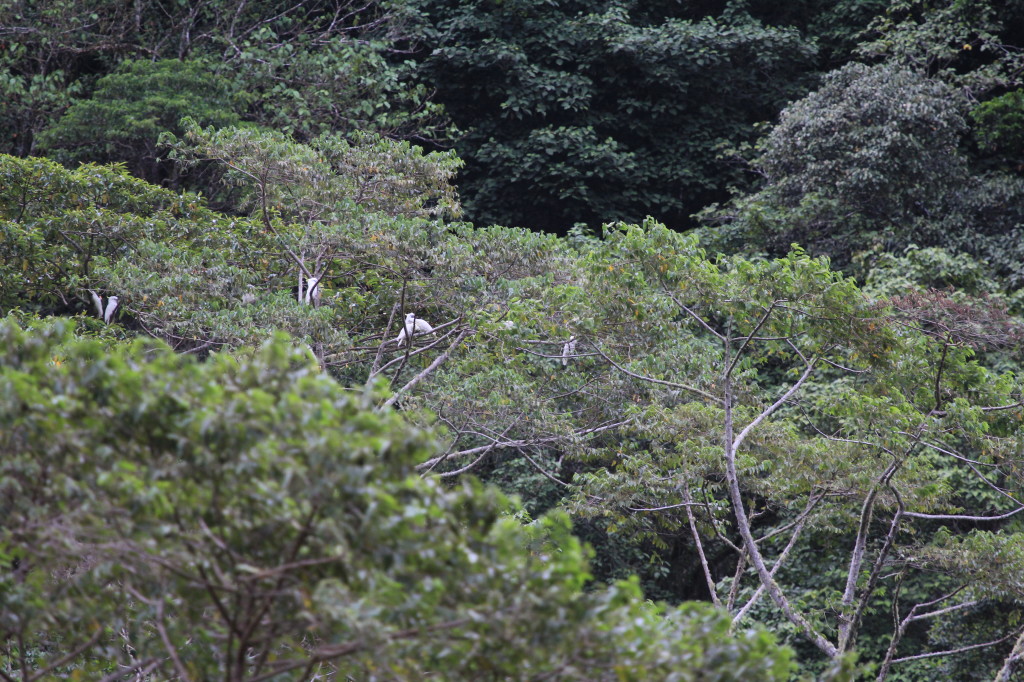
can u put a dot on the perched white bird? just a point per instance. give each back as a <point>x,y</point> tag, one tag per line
<point>108,314</point>
<point>568,350</point>
<point>97,301</point>
<point>312,290</point>
<point>414,326</point>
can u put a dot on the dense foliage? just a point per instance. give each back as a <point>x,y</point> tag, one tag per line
<point>599,111</point>
<point>247,518</point>
<point>270,410</point>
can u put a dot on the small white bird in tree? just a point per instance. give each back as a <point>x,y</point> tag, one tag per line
<point>97,301</point>
<point>568,350</point>
<point>107,313</point>
<point>312,295</point>
<point>414,326</point>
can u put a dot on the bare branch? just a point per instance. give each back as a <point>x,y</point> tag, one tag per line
<point>776,405</point>
<point>742,520</point>
<point>962,649</point>
<point>541,469</point>
<point>962,517</point>
<point>526,442</point>
<point>476,461</point>
<point>800,522</point>
<point>694,315</point>
<point>746,341</point>
<point>673,384</point>
<point>1015,656</point>
<point>680,505</point>
<point>901,627</point>
<point>700,546</point>
<point>857,555</point>
<point>143,668</point>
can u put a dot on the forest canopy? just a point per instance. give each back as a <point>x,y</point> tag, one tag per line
<point>507,340</point>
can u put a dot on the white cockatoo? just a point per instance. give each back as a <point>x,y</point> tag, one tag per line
<point>105,313</point>
<point>568,350</point>
<point>97,301</point>
<point>414,326</point>
<point>108,312</point>
<point>312,295</point>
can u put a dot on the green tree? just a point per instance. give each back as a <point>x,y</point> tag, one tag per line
<point>597,111</point>
<point>308,67</point>
<point>873,162</point>
<point>130,108</point>
<point>247,518</point>
<point>970,44</point>
<point>870,159</point>
<point>794,411</point>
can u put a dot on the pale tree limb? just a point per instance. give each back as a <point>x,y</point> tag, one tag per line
<point>375,367</point>
<point>798,529</point>
<point>678,505</point>
<point>673,384</point>
<point>430,368</point>
<point>694,315</point>
<point>687,500</point>
<point>739,511</point>
<point>771,409</point>
<point>1011,662</point>
<point>546,474</point>
<point>901,627</point>
<point>962,649</point>
<point>172,651</point>
<point>525,442</point>
<point>464,469</point>
<point>857,556</point>
<point>746,341</point>
<point>741,566</point>
<point>962,517</point>
<point>142,668</point>
<point>876,571</point>
<point>991,408</point>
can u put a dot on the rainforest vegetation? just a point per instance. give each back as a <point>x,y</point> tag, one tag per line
<point>511,340</point>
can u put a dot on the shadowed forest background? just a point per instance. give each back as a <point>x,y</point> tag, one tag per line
<point>721,377</point>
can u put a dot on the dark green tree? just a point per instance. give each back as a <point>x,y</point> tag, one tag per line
<point>131,107</point>
<point>308,67</point>
<point>874,161</point>
<point>597,111</point>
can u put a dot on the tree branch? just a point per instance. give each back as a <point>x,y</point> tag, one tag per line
<point>430,368</point>
<point>652,380</point>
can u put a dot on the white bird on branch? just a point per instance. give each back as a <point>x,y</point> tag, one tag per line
<point>106,314</point>
<point>414,326</point>
<point>97,301</point>
<point>312,295</point>
<point>568,350</point>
